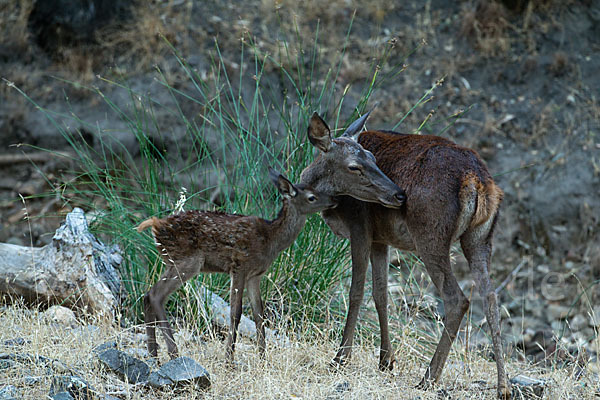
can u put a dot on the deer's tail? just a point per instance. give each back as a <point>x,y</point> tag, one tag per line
<point>150,222</point>
<point>489,196</point>
<point>480,199</point>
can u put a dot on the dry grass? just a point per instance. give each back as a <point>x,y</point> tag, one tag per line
<point>486,24</point>
<point>145,39</point>
<point>13,26</point>
<point>298,371</point>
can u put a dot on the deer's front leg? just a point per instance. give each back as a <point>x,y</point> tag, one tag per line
<point>360,245</point>
<point>380,266</point>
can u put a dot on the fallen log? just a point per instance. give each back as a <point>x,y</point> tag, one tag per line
<point>74,270</point>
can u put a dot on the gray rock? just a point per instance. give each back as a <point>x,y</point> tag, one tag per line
<point>182,370</point>
<point>25,358</point>
<point>62,396</point>
<point>70,387</point>
<point>8,392</point>
<point>32,380</point>
<point>595,317</point>
<point>132,369</point>
<point>16,241</point>
<point>16,342</point>
<point>6,363</point>
<point>524,387</point>
<point>578,322</point>
<point>88,332</point>
<point>557,312</point>
<point>105,346</point>
<point>342,387</point>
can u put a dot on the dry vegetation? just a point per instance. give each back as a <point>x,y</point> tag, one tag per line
<point>298,371</point>
<point>513,120</point>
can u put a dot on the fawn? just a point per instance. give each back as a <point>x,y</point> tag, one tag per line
<point>450,196</point>
<point>242,246</point>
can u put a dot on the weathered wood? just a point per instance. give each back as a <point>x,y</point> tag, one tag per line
<point>76,269</point>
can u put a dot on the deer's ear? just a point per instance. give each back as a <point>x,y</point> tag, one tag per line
<point>319,133</point>
<point>356,127</point>
<point>284,186</point>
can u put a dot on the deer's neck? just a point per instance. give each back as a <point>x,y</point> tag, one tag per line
<point>286,227</point>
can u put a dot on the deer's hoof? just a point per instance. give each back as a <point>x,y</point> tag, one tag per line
<point>504,393</point>
<point>336,364</point>
<point>425,384</point>
<point>386,364</point>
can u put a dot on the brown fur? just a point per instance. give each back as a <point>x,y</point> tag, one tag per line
<point>242,246</point>
<point>450,196</point>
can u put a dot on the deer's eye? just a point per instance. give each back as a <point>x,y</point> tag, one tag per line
<point>354,169</point>
<point>312,198</point>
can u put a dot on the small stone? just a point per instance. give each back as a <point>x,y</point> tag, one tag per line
<point>62,315</point>
<point>132,369</point>
<point>578,322</point>
<point>32,380</point>
<point>88,332</point>
<point>8,392</point>
<point>62,396</point>
<point>6,363</point>
<point>16,342</point>
<point>524,387</point>
<point>557,312</point>
<point>342,387</point>
<point>70,386</point>
<point>595,317</point>
<point>182,370</point>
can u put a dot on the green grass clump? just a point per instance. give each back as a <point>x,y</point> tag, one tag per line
<point>241,122</point>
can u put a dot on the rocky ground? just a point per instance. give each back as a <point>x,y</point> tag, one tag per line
<point>54,354</point>
<point>527,71</point>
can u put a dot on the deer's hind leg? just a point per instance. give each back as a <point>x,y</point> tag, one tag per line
<point>154,305</point>
<point>477,246</point>
<point>432,238</point>
<point>257,311</point>
<point>456,305</point>
<point>235,315</point>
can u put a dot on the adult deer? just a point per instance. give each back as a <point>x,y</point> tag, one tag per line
<point>450,196</point>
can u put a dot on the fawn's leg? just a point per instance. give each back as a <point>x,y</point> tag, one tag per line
<point>236,292</point>
<point>257,311</point>
<point>154,306</point>
<point>380,266</point>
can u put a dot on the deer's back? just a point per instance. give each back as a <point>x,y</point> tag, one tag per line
<point>446,184</point>
<point>224,240</point>
<point>423,161</point>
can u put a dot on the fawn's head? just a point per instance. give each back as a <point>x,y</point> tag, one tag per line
<point>301,196</point>
<point>344,167</point>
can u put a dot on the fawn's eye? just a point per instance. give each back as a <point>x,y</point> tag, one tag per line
<point>354,169</point>
<point>312,198</point>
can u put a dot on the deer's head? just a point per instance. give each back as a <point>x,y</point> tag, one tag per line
<point>344,167</point>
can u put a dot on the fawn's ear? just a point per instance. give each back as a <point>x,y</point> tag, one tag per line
<point>356,127</point>
<point>284,186</point>
<point>319,133</point>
